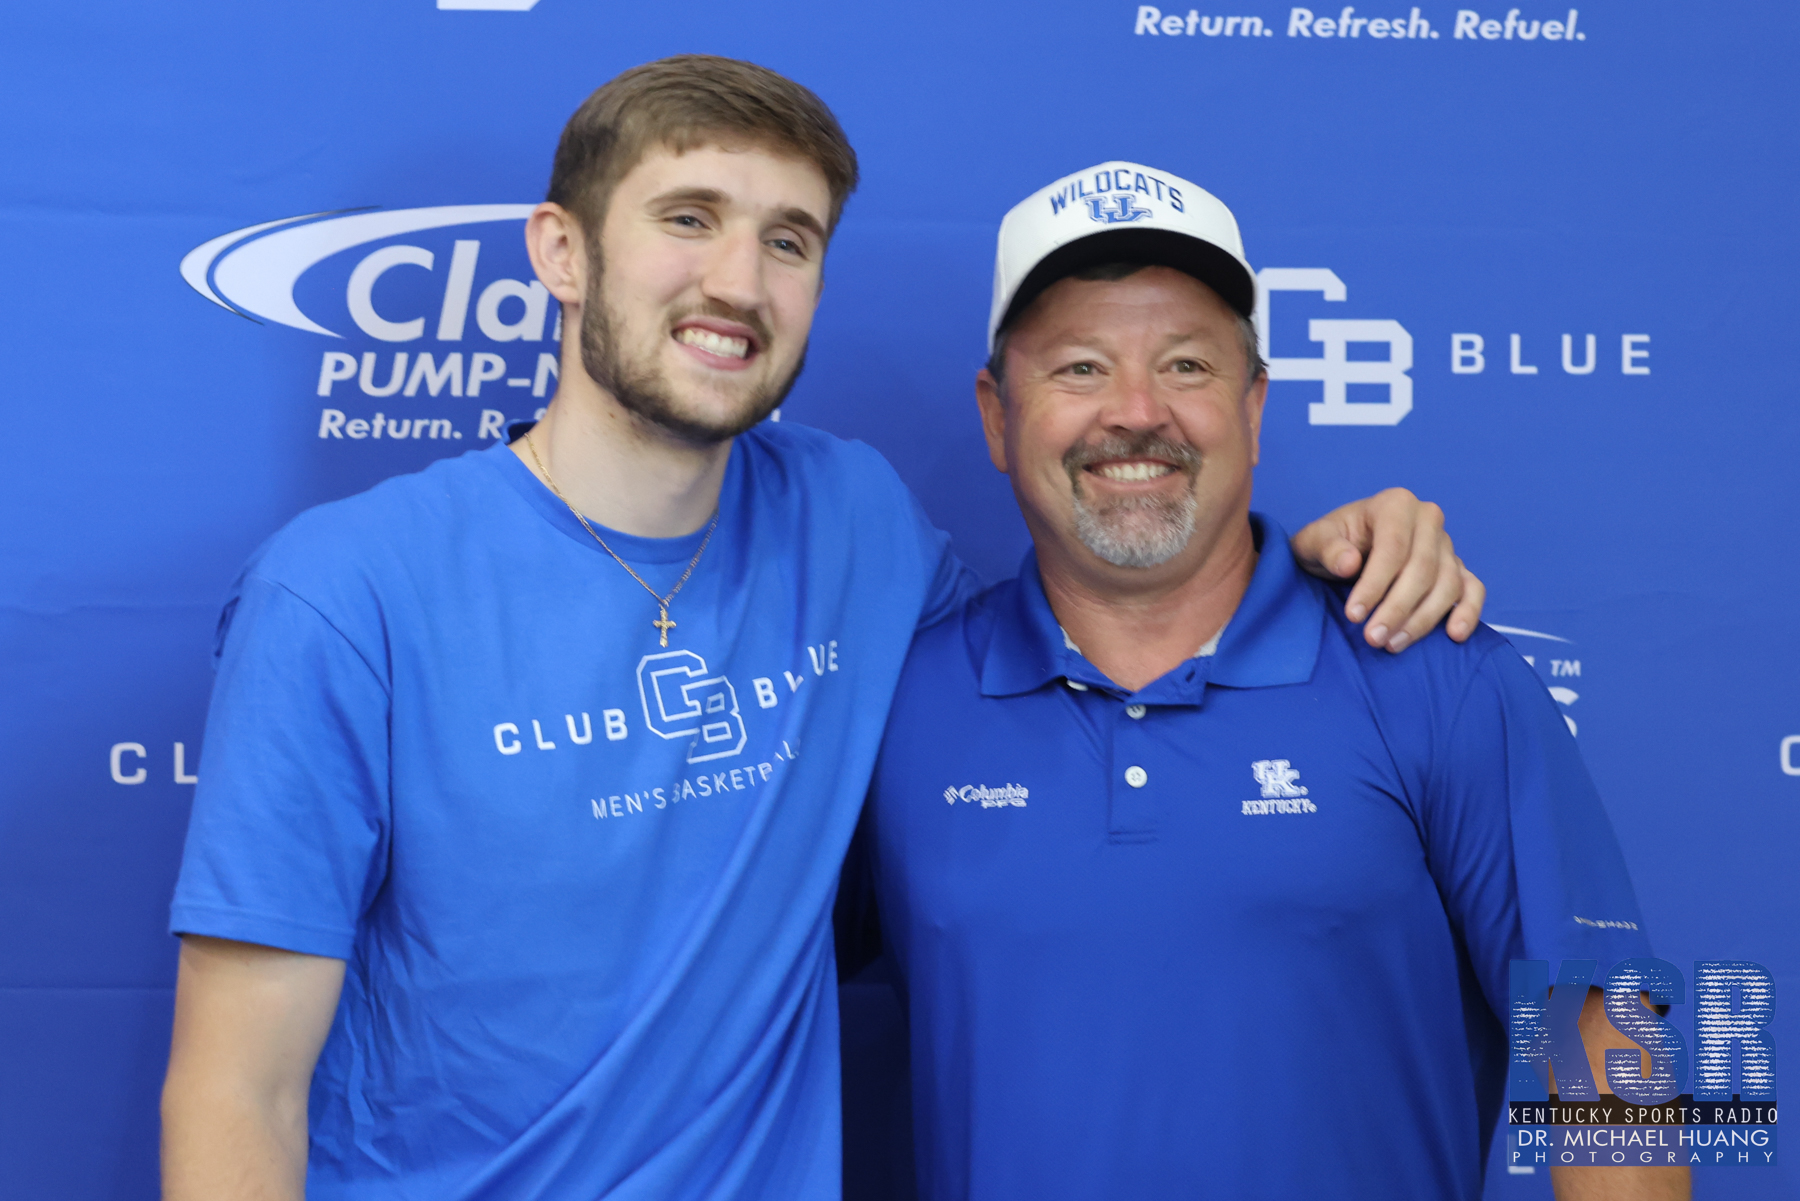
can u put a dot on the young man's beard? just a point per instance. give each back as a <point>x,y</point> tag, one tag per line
<point>1140,531</point>
<point>644,389</point>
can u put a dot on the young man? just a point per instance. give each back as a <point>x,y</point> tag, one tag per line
<point>528,777</point>
<point>1231,921</point>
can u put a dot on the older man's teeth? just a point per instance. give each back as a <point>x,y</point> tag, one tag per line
<point>719,344</point>
<point>1133,471</point>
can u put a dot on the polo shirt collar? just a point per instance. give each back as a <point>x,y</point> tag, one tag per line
<point>1272,638</point>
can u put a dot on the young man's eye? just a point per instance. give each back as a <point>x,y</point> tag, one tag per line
<point>688,221</point>
<point>788,246</point>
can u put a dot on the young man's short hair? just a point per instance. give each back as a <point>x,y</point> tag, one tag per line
<point>682,103</point>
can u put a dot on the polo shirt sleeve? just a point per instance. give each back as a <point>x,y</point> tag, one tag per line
<point>288,839</point>
<point>1519,843</point>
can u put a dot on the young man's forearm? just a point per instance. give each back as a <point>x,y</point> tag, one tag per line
<point>249,1023</point>
<point>220,1143</point>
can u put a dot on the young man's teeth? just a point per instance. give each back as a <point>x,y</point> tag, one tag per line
<point>719,344</point>
<point>1135,471</point>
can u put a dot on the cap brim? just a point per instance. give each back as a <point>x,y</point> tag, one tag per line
<point>1212,266</point>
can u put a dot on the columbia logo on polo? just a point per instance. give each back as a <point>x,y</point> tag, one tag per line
<point>990,798</point>
<point>1279,792</point>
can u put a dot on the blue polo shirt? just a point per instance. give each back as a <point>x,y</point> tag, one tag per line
<point>1242,933</point>
<point>581,880</point>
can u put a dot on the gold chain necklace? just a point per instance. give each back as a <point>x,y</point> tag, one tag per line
<point>662,621</point>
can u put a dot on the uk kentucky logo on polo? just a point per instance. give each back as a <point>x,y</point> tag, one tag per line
<point>398,312</point>
<point>1280,793</point>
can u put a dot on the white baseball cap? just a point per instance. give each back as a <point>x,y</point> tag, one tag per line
<point>1117,212</point>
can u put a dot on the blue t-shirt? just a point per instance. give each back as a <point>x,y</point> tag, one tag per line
<point>582,882</point>
<point>1241,934</point>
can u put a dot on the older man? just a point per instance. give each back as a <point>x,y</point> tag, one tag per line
<point>1193,893</point>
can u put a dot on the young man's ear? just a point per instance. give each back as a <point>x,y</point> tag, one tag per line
<point>558,251</point>
<point>992,404</point>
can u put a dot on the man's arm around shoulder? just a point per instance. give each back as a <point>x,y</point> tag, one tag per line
<point>249,1023</point>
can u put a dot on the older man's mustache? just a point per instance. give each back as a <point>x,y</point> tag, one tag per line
<point>1180,455</point>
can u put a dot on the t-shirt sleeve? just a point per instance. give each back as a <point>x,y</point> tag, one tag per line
<point>1519,843</point>
<point>288,839</point>
<point>951,581</point>
<point>907,532</point>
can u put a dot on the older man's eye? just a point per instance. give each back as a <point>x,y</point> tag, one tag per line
<point>1081,369</point>
<point>1188,366</point>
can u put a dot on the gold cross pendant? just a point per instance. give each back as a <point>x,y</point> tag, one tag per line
<point>664,624</point>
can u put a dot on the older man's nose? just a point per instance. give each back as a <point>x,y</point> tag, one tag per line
<point>1134,403</point>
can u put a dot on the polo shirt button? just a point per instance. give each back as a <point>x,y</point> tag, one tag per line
<point>1077,685</point>
<point>1136,776</point>
<point>1135,711</point>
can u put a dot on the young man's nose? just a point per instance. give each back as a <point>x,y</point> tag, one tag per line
<point>734,272</point>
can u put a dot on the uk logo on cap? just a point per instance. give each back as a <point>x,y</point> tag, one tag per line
<point>1115,210</point>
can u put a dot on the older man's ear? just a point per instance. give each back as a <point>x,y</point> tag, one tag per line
<point>993,416</point>
<point>1408,577</point>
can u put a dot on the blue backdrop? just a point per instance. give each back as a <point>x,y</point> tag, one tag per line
<point>1576,224</point>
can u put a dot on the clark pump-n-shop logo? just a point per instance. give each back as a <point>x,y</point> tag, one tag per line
<point>425,307</point>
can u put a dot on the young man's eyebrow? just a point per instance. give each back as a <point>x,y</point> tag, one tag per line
<point>804,220</point>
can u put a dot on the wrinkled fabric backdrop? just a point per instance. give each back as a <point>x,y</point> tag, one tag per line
<point>1537,265</point>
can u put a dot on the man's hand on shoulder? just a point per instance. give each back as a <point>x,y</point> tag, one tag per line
<point>1406,570</point>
